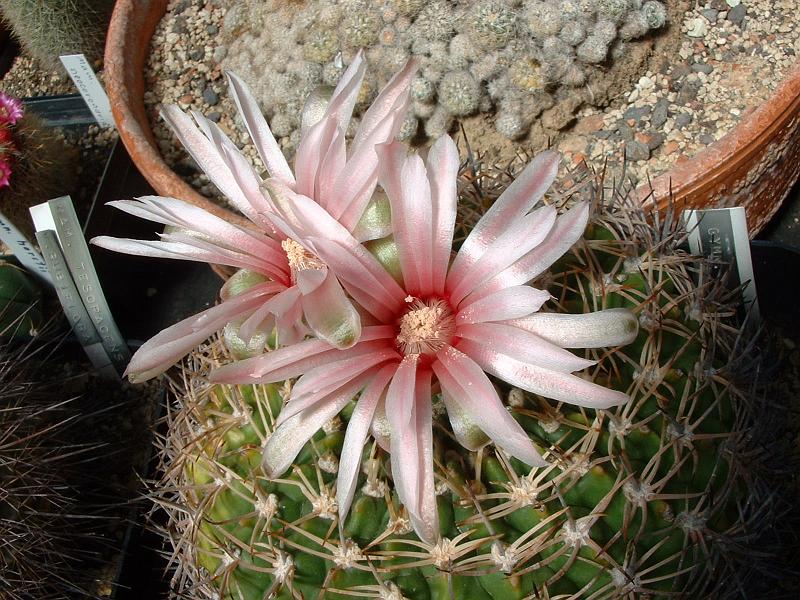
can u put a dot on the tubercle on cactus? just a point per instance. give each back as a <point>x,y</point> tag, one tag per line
<point>646,498</point>
<point>453,41</point>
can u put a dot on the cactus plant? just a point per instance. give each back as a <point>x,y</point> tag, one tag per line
<point>42,167</point>
<point>654,498</point>
<point>464,49</point>
<point>51,28</point>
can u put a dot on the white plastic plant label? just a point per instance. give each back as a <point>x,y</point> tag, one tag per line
<point>89,87</point>
<point>24,250</point>
<point>720,234</point>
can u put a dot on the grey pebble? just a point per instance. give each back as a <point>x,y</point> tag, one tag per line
<point>636,150</point>
<point>682,120</point>
<point>196,53</point>
<point>737,14</point>
<point>181,6</point>
<point>700,67</point>
<point>707,139</point>
<point>212,30</point>
<point>179,25</point>
<point>637,112</point>
<point>656,139</point>
<point>624,132</point>
<point>710,14</point>
<point>210,97</point>
<point>660,113</point>
<point>214,116</point>
<point>688,92</point>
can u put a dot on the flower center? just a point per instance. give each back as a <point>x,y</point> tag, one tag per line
<point>299,258</point>
<point>426,326</point>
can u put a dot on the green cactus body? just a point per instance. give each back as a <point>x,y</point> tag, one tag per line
<point>640,499</point>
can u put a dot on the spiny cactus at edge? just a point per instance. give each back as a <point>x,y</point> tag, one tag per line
<point>50,28</point>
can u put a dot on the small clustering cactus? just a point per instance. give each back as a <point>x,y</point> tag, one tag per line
<point>515,58</point>
<point>50,28</point>
<point>660,497</point>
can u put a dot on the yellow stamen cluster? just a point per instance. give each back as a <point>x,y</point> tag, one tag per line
<point>299,258</point>
<point>426,327</point>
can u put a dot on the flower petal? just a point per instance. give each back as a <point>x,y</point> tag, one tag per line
<point>524,346</point>
<point>292,361</point>
<point>289,438</point>
<point>510,303</point>
<point>443,166</point>
<point>550,384</point>
<point>356,436</point>
<point>604,328</point>
<point>567,230</point>
<point>521,236</point>
<point>509,208</point>
<point>277,305</point>
<point>470,388</point>
<point>325,379</point>
<point>259,131</point>
<point>408,406</point>
<point>166,348</point>
<point>330,314</point>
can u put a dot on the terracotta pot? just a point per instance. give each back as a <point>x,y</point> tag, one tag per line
<point>754,165</point>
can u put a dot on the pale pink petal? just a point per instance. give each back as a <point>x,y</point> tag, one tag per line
<point>177,213</point>
<point>393,98</point>
<point>345,95</point>
<point>366,280</point>
<point>292,361</point>
<point>356,182</point>
<point>568,229</point>
<point>550,384</point>
<point>514,203</point>
<point>467,384</point>
<point>248,199</point>
<point>379,428</point>
<point>330,314</point>
<point>510,303</point>
<point>521,236</point>
<point>443,165</point>
<point>204,152</point>
<point>334,163</point>
<point>207,251</point>
<point>408,406</point>
<point>287,440</point>
<point>309,280</point>
<point>259,131</point>
<point>392,156</point>
<point>523,346</point>
<point>611,327</point>
<point>326,379</point>
<point>412,222</point>
<point>279,304</point>
<point>356,436</point>
<point>312,149</point>
<point>184,251</point>
<point>164,349</point>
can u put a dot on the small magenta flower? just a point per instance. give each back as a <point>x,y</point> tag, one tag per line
<point>283,284</point>
<point>10,109</point>
<point>444,327</point>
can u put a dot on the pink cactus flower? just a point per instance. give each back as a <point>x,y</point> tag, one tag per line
<point>284,285</point>
<point>445,327</point>
<point>10,109</point>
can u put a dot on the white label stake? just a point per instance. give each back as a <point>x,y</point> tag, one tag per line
<point>24,251</point>
<point>89,86</point>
